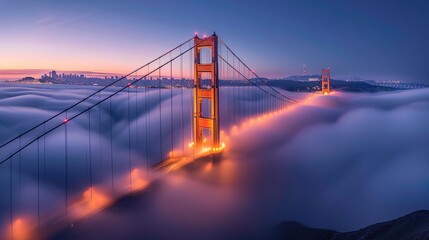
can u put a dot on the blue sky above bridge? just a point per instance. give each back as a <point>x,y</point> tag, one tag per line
<point>369,39</point>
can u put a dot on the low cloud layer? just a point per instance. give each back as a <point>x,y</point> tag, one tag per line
<point>342,162</point>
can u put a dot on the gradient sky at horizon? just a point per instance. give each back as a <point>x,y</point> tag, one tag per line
<point>369,39</point>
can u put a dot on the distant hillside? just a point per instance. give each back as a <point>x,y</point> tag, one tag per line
<point>411,226</point>
<point>310,86</point>
<point>301,78</point>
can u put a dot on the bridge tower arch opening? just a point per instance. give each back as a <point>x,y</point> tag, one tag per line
<point>206,93</point>
<point>326,81</point>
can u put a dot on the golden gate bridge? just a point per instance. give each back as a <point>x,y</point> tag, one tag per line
<point>157,120</point>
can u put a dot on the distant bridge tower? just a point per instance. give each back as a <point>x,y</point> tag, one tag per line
<point>304,70</point>
<point>326,81</point>
<point>208,92</point>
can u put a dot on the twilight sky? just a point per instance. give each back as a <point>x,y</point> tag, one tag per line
<point>370,39</point>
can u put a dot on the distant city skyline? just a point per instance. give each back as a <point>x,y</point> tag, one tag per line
<point>14,74</point>
<point>363,39</point>
<point>17,74</point>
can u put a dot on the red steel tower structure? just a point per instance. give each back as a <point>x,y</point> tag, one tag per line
<point>326,81</point>
<point>209,93</point>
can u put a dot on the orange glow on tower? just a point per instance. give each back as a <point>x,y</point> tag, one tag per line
<point>326,81</point>
<point>210,92</point>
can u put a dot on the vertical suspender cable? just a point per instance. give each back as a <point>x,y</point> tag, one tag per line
<point>111,147</point>
<point>38,187</point>
<point>99,132</point>
<point>19,170</point>
<point>129,135</point>
<point>160,115</point>
<point>11,199</point>
<point>44,152</point>
<point>90,155</point>
<point>137,119</point>
<point>191,73</point>
<point>147,124</point>
<point>171,104</point>
<point>66,162</point>
<point>181,101</point>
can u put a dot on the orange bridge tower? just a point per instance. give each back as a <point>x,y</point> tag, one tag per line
<point>206,90</point>
<point>326,81</point>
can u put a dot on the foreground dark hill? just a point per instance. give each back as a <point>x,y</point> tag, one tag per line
<point>412,226</point>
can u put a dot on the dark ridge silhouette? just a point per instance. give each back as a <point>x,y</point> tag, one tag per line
<point>310,86</point>
<point>412,226</point>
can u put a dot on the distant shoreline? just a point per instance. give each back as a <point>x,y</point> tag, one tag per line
<point>288,85</point>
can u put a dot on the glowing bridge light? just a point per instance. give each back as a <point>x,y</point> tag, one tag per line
<point>219,148</point>
<point>91,200</point>
<point>138,181</point>
<point>65,120</point>
<point>21,229</point>
<point>191,144</point>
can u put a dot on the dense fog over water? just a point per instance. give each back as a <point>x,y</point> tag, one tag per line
<point>342,161</point>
